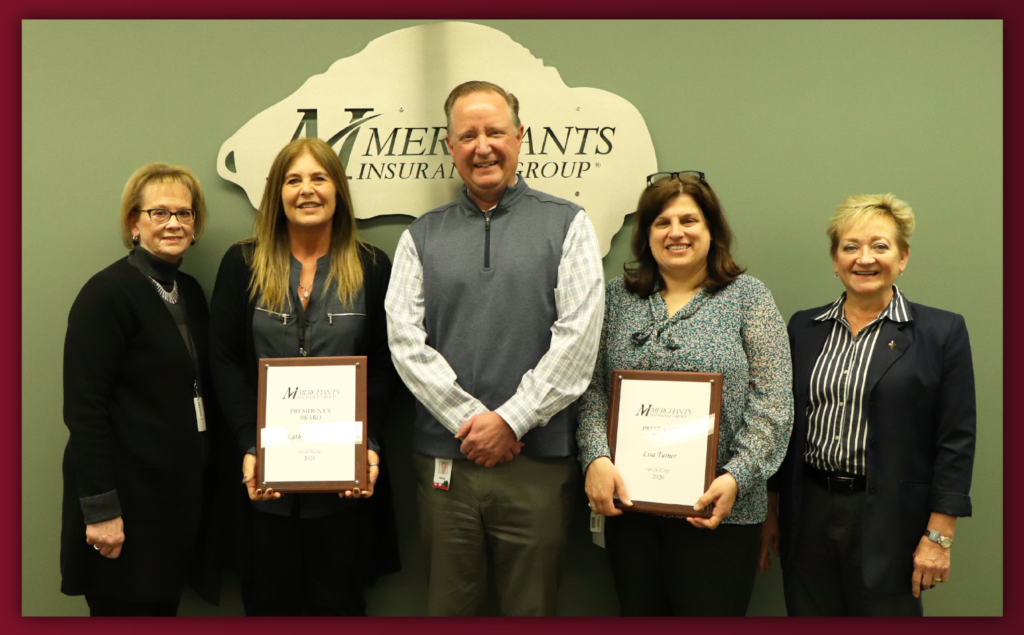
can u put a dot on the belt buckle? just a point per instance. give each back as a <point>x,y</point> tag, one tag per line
<point>843,484</point>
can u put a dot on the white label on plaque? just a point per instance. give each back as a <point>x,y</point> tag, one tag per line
<point>310,430</point>
<point>662,442</point>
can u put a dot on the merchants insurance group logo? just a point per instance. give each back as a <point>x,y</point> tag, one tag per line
<point>382,111</point>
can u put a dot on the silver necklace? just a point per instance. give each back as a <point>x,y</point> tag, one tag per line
<point>170,298</point>
<point>306,290</point>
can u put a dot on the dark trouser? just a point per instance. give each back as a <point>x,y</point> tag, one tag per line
<point>304,566</point>
<point>666,566</point>
<point>520,510</point>
<point>824,574</point>
<point>104,607</point>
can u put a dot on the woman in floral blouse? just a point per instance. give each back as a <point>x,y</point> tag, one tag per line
<point>684,305</point>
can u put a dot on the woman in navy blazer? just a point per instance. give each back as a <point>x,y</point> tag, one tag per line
<point>879,465</point>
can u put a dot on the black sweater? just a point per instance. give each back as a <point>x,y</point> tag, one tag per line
<point>128,405</point>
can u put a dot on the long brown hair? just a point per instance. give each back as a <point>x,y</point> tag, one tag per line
<point>270,254</point>
<point>642,275</point>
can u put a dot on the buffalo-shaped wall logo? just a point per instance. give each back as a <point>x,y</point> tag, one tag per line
<point>382,110</point>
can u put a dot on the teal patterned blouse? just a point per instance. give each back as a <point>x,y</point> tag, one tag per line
<point>736,331</point>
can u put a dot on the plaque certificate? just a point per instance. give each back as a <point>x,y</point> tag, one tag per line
<point>311,424</point>
<point>663,435</point>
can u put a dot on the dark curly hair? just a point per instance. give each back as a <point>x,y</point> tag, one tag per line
<point>642,274</point>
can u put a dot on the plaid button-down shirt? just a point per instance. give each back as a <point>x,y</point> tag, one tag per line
<point>560,377</point>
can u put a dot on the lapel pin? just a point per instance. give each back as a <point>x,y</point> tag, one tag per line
<point>892,344</point>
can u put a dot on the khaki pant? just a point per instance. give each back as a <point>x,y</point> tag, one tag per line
<point>519,510</point>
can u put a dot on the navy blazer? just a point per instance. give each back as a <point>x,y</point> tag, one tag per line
<point>920,443</point>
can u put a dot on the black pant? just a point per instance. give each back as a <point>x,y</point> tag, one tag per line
<point>824,575</point>
<point>304,566</point>
<point>666,566</point>
<point>104,607</point>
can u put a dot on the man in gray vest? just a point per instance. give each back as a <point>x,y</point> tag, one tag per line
<point>494,318</point>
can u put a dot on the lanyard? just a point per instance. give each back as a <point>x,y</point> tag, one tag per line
<point>190,344</point>
<point>195,358</point>
<point>303,324</point>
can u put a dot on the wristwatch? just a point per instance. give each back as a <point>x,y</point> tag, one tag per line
<point>934,536</point>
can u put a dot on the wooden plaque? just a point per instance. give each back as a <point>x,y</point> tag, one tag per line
<point>663,435</point>
<point>311,424</point>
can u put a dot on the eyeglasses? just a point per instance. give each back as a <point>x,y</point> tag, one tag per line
<point>661,176</point>
<point>163,216</point>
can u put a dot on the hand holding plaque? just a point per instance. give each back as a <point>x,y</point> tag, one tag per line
<point>249,479</point>
<point>720,497</point>
<point>604,484</point>
<point>373,465</point>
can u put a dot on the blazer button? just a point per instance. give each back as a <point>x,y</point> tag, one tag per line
<point>871,490</point>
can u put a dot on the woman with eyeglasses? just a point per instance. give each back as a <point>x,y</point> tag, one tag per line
<point>684,305</point>
<point>879,466</point>
<point>305,285</point>
<point>135,390</point>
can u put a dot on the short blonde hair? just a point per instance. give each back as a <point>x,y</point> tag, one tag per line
<point>857,208</point>
<point>131,199</point>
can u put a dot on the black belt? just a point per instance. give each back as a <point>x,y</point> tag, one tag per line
<point>836,482</point>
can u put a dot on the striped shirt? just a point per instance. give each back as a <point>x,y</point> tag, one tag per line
<point>838,423</point>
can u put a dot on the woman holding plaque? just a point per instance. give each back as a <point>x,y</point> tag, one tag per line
<point>879,466</point>
<point>684,305</point>
<point>306,552</point>
<point>135,376</point>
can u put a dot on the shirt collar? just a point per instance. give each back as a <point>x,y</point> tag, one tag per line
<point>511,194</point>
<point>896,311</point>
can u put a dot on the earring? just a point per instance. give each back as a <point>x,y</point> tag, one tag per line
<point>135,238</point>
<point>193,239</point>
<point>835,274</point>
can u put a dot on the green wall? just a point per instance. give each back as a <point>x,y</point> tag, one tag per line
<point>787,118</point>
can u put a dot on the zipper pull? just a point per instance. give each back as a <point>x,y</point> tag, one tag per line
<point>284,318</point>
<point>330,318</point>
<point>487,220</point>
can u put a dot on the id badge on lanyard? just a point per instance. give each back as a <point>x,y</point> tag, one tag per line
<point>200,410</point>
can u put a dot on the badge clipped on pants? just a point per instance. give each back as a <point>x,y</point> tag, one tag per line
<point>442,473</point>
<point>597,529</point>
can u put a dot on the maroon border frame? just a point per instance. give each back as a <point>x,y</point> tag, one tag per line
<point>11,14</point>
